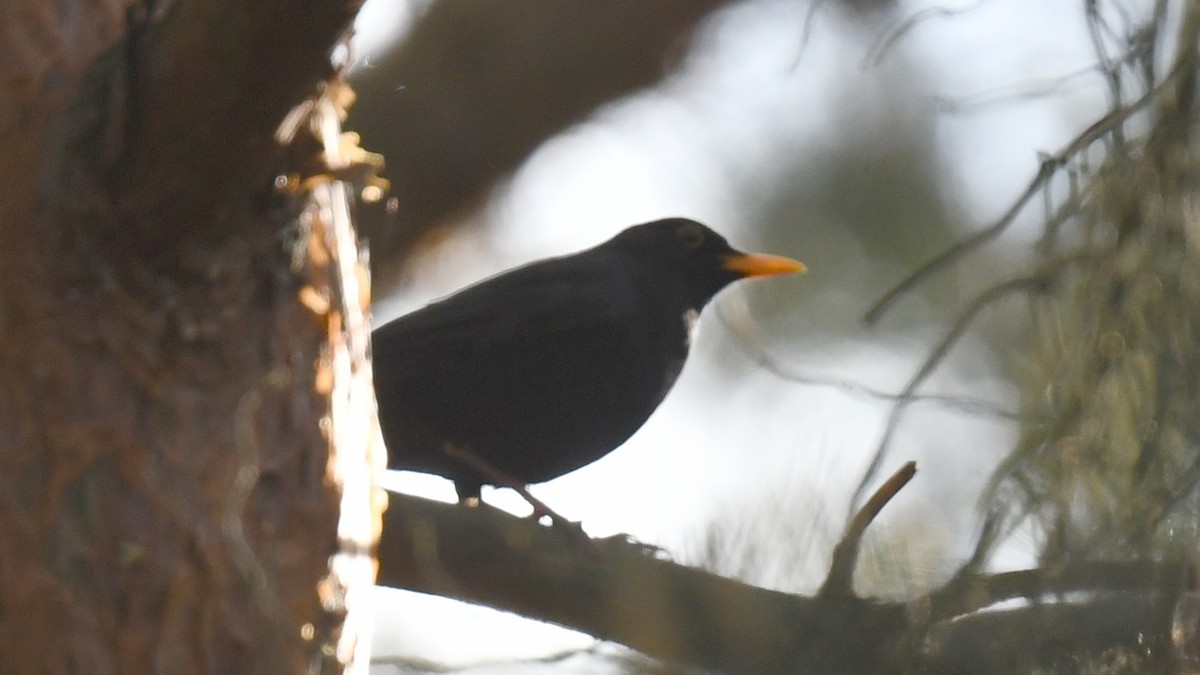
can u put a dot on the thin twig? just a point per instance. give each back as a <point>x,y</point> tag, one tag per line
<point>1021,91</point>
<point>414,664</point>
<point>989,533</point>
<point>879,50</point>
<point>1149,39</point>
<point>1049,166</point>
<point>971,594</point>
<point>1039,278</point>
<point>1069,208</point>
<point>934,359</point>
<point>1028,90</point>
<point>1111,70</point>
<point>773,365</point>
<point>995,525</point>
<point>840,580</point>
<point>806,31</point>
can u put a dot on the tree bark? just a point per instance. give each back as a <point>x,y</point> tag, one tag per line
<point>166,505</point>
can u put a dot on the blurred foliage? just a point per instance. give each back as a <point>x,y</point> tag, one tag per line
<point>1107,463</point>
<point>861,208</point>
<point>476,87</point>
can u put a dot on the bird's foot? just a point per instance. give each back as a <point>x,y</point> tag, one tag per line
<point>501,479</point>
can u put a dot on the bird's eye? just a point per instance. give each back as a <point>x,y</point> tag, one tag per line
<point>691,235</point>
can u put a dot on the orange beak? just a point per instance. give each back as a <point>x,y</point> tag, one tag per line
<point>762,265</point>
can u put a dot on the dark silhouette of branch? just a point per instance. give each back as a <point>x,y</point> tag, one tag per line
<point>413,664</point>
<point>662,609</point>
<point>1129,631</point>
<point>688,616</point>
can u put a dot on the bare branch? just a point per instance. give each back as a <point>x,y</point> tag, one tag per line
<point>1111,69</point>
<point>761,357</point>
<point>688,616</point>
<point>971,593</point>
<point>840,580</point>
<point>879,50</point>
<point>662,609</point>
<point>1048,167</point>
<point>810,20</point>
<point>939,352</point>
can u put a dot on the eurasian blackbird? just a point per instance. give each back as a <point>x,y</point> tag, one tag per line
<point>550,366</point>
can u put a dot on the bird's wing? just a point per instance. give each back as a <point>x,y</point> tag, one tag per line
<point>541,300</point>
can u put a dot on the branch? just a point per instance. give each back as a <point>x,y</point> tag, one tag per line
<point>964,595</point>
<point>1128,633</point>
<point>753,349</point>
<point>502,479</point>
<point>1050,165</point>
<point>685,615</point>
<point>964,321</point>
<point>662,609</point>
<point>845,555</point>
<point>884,44</point>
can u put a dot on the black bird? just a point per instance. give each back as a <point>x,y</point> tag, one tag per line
<point>550,366</point>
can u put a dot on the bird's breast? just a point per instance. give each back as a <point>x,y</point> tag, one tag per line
<point>673,364</point>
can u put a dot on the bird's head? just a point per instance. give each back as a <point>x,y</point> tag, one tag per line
<point>689,256</point>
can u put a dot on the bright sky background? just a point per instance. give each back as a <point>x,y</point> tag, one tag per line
<point>754,88</point>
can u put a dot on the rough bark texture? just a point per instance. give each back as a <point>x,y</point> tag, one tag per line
<point>164,505</point>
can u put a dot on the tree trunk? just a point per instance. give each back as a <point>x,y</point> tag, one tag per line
<point>166,505</point>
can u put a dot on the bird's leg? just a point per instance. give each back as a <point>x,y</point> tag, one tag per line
<point>500,479</point>
<point>572,529</point>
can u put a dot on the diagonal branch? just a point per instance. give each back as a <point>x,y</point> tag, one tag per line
<point>840,580</point>
<point>662,609</point>
<point>964,321</point>
<point>685,615</point>
<point>1048,167</point>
